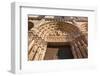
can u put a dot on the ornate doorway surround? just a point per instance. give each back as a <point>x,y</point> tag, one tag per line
<point>48,31</point>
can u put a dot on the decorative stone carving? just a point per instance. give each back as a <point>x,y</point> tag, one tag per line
<point>56,32</point>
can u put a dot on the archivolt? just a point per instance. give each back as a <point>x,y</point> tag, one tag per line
<point>58,29</point>
<point>38,39</point>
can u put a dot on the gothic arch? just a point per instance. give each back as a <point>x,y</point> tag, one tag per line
<point>56,31</point>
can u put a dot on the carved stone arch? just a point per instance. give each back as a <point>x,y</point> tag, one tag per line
<point>68,28</point>
<point>68,33</point>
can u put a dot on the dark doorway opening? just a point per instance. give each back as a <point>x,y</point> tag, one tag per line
<point>65,52</point>
<point>58,51</point>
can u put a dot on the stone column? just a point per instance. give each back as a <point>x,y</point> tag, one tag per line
<point>74,51</point>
